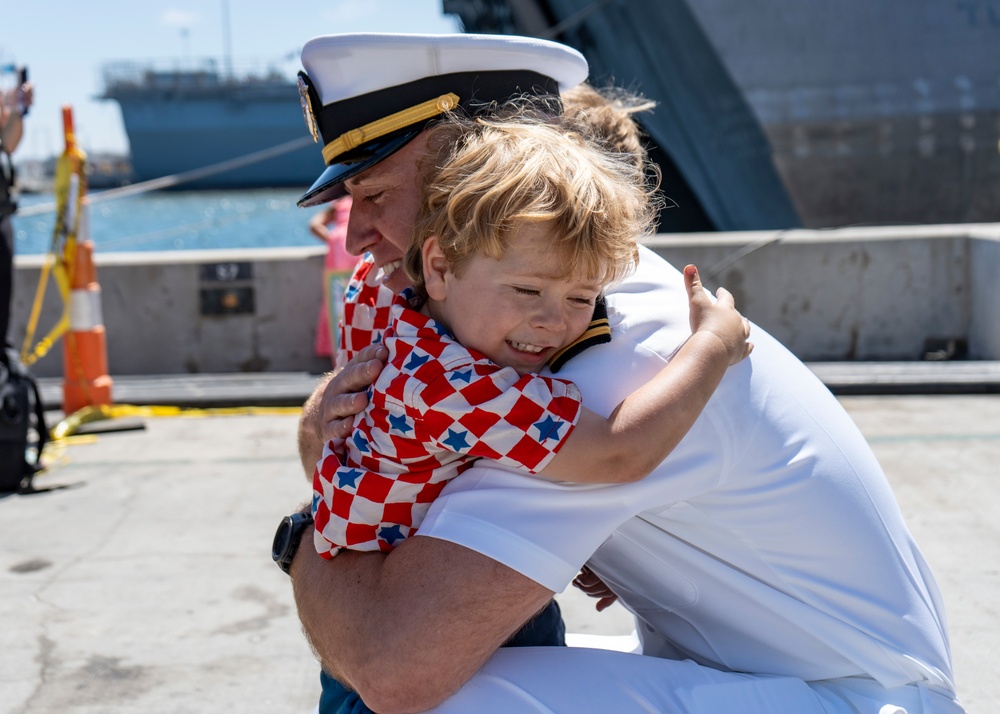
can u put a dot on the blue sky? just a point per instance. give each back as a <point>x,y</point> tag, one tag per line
<point>64,44</point>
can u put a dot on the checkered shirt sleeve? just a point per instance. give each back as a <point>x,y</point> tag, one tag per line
<point>367,311</point>
<point>435,408</point>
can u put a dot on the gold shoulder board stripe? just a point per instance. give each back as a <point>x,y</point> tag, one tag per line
<point>598,333</point>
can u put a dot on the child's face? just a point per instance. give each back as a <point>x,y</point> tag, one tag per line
<point>514,310</point>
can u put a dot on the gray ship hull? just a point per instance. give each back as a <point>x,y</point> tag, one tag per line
<point>874,112</point>
<point>877,112</point>
<point>179,122</point>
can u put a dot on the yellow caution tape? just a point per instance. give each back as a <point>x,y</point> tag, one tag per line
<point>72,423</point>
<point>70,191</point>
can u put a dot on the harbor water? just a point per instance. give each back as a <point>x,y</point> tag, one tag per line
<point>177,220</point>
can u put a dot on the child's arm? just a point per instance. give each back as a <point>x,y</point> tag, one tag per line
<point>651,421</point>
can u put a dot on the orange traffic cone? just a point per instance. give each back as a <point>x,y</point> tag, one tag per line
<point>85,355</point>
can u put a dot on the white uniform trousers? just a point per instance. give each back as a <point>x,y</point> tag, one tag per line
<point>570,680</point>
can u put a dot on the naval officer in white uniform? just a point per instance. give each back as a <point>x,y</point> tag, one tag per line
<point>766,560</point>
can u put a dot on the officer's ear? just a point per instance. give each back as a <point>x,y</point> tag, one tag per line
<point>435,268</point>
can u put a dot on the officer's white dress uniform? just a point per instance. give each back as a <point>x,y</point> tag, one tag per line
<point>766,559</point>
<point>768,543</point>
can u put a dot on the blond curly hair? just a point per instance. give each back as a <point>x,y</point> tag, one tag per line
<point>482,179</point>
<point>607,116</point>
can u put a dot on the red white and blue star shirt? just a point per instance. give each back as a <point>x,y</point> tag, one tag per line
<point>435,408</point>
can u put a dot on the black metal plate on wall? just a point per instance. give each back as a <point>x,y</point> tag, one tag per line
<point>227,301</point>
<point>227,289</point>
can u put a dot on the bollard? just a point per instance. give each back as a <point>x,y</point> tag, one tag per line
<point>85,354</point>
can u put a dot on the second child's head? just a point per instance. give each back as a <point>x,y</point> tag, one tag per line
<point>521,228</point>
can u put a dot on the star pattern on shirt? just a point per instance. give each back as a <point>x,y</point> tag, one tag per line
<point>549,428</point>
<point>462,375</point>
<point>400,424</point>
<point>416,361</point>
<point>349,477</point>
<point>390,534</point>
<point>456,440</point>
<point>360,442</point>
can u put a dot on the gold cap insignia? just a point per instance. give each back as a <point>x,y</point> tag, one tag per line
<point>307,110</point>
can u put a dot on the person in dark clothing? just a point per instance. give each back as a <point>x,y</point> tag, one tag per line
<point>13,106</point>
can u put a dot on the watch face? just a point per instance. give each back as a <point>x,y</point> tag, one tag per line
<point>282,538</point>
<point>287,537</point>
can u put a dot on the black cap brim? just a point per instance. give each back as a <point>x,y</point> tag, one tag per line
<point>330,184</point>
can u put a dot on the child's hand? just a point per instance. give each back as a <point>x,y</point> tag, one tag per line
<point>719,317</point>
<point>595,588</point>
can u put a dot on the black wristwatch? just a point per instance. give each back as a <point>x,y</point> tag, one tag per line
<point>287,538</point>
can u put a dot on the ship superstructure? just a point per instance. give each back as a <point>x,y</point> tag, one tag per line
<point>183,119</point>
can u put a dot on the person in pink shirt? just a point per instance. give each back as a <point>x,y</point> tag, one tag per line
<point>330,227</point>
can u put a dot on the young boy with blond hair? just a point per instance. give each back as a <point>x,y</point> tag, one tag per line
<point>522,227</point>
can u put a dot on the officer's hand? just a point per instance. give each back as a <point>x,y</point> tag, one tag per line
<point>593,586</point>
<point>346,395</point>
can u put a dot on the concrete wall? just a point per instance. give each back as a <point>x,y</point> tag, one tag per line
<point>984,271</point>
<point>891,293</point>
<point>152,307</point>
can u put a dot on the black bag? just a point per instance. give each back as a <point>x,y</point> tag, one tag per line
<point>21,413</point>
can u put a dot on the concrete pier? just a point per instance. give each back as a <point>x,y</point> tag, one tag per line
<point>139,579</point>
